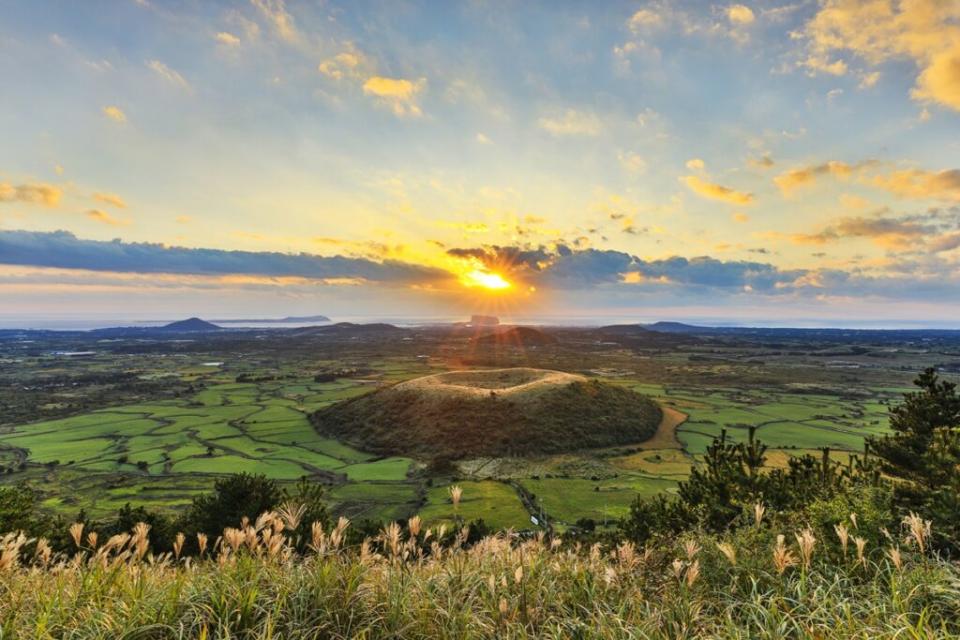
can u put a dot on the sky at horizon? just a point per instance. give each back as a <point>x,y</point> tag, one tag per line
<point>771,160</point>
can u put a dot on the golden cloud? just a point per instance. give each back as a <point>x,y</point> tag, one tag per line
<point>636,277</point>
<point>115,113</point>
<point>917,183</point>
<point>227,38</point>
<point>344,64</point>
<point>397,93</point>
<point>876,31</point>
<point>99,215</point>
<point>275,11</point>
<point>34,192</point>
<point>798,177</point>
<point>716,191</point>
<point>110,199</point>
<point>890,233</point>
<point>821,64</point>
<point>940,80</point>
<point>739,14</point>
<point>644,18</point>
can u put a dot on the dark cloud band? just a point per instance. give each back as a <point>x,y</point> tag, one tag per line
<point>61,249</point>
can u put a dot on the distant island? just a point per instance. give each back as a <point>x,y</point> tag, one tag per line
<point>288,319</point>
<point>188,326</point>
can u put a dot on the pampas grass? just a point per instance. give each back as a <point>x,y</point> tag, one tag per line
<point>252,583</point>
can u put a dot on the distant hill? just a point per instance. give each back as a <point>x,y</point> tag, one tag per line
<point>353,327</point>
<point>625,330</point>
<point>190,325</point>
<point>288,319</point>
<point>675,327</point>
<point>491,412</point>
<point>477,320</point>
<point>517,337</point>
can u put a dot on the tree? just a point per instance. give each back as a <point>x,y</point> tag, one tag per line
<point>721,492</point>
<point>923,453</point>
<point>19,512</point>
<point>247,496</point>
<point>239,496</point>
<point>162,530</point>
<point>915,423</point>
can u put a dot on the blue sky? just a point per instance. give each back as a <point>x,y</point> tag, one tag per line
<point>764,160</point>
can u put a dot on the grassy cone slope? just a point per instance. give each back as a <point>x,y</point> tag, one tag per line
<point>500,412</point>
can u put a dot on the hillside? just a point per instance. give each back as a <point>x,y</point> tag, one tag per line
<point>497,412</point>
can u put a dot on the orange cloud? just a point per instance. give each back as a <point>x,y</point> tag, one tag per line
<point>275,12</point>
<point>890,233</point>
<point>917,183</point>
<point>111,199</point>
<point>940,80</point>
<point>346,64</point>
<point>716,191</point>
<point>739,14</point>
<point>34,192</point>
<point>397,93</point>
<point>926,32</point>
<point>102,216</point>
<point>791,180</point>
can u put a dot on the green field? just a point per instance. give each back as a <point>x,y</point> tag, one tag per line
<point>496,503</point>
<point>162,453</point>
<point>224,429</point>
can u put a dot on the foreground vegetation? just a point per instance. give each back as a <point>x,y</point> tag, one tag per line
<point>815,550</point>
<point>763,582</point>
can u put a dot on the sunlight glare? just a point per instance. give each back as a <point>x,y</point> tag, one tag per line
<point>485,279</point>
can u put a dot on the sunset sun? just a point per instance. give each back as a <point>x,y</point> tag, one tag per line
<point>485,280</point>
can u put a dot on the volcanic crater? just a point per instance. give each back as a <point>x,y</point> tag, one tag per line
<point>491,412</point>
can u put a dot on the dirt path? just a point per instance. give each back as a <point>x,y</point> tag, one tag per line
<point>666,434</point>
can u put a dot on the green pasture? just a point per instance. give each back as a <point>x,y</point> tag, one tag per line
<point>496,503</point>
<point>223,429</point>
<point>569,499</point>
